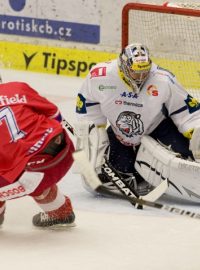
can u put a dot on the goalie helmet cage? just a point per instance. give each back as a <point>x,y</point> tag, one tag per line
<point>172,34</point>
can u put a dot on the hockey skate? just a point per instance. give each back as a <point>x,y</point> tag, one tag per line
<point>61,217</point>
<point>44,220</point>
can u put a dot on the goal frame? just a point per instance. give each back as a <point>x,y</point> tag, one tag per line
<point>151,8</point>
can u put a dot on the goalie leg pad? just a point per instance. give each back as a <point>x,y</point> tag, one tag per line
<point>155,163</point>
<point>54,169</point>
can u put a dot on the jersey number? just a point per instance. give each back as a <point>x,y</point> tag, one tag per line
<point>8,116</point>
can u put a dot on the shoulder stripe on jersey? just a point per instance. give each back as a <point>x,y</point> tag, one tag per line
<point>92,104</point>
<point>184,108</point>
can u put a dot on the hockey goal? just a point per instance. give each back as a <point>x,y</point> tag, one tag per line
<point>172,34</point>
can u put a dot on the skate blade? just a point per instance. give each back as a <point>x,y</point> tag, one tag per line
<point>57,227</point>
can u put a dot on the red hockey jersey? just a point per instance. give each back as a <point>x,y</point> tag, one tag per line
<point>27,123</point>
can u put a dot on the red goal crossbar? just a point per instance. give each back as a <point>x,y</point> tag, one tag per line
<point>151,8</point>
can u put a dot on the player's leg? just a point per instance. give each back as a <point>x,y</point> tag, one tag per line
<point>57,208</point>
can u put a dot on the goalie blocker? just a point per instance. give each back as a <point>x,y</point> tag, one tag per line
<point>155,163</point>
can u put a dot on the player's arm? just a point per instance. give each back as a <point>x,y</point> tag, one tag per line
<point>185,113</point>
<point>91,124</point>
<point>186,116</point>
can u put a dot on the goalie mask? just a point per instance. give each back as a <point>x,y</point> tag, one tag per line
<point>135,64</point>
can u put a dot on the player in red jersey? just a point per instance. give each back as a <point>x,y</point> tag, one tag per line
<point>35,153</point>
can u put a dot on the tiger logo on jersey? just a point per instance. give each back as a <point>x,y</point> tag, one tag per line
<point>130,124</point>
<point>192,104</point>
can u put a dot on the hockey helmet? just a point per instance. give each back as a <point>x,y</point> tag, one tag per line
<point>134,64</point>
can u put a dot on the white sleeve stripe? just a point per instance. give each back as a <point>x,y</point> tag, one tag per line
<point>55,115</point>
<point>57,203</point>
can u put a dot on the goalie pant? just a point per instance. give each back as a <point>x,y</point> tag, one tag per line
<point>53,168</point>
<point>155,163</point>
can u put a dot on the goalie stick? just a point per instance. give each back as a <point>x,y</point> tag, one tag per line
<point>124,188</point>
<point>96,185</point>
<point>119,182</point>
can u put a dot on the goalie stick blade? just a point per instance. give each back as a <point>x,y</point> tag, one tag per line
<point>157,192</point>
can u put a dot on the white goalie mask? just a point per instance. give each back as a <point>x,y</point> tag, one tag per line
<point>134,64</point>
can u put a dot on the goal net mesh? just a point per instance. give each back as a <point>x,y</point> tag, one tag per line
<point>173,41</point>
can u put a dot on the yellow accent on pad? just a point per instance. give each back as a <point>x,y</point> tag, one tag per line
<point>102,126</point>
<point>188,133</point>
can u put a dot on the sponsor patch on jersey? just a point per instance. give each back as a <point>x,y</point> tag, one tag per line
<point>129,95</point>
<point>107,87</point>
<point>192,104</point>
<point>127,103</point>
<point>118,102</point>
<point>152,90</point>
<point>98,72</point>
<point>80,104</point>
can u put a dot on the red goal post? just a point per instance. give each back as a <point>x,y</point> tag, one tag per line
<point>172,33</point>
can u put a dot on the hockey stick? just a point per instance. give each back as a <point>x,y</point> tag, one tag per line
<point>67,125</point>
<point>124,188</point>
<point>94,182</point>
<point>119,182</point>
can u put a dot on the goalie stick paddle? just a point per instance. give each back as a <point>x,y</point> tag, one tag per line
<point>95,183</point>
<point>124,188</point>
<point>121,185</point>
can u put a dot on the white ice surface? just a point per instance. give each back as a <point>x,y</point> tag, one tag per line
<point>109,234</point>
